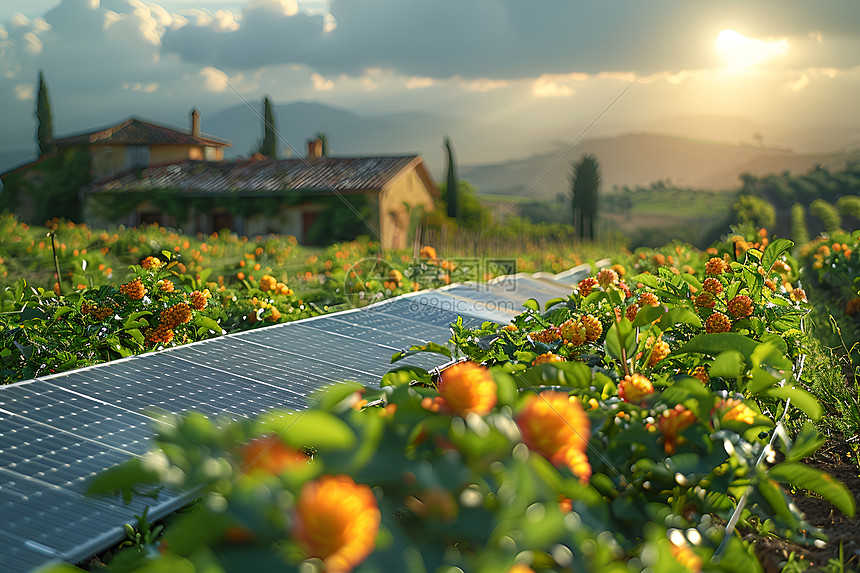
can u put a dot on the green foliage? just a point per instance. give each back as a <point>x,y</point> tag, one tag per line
<point>827,214</point>
<point>269,144</point>
<point>470,489</point>
<point>585,184</point>
<point>471,214</point>
<point>451,192</point>
<point>849,206</point>
<point>342,218</point>
<point>753,210</point>
<point>799,232</point>
<point>44,117</point>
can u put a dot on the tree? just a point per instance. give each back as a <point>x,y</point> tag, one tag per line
<point>269,145</point>
<point>799,231</point>
<point>585,183</point>
<point>324,140</point>
<point>45,131</point>
<point>451,186</point>
<point>755,210</point>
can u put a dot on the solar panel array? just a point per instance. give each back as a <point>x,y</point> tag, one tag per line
<point>57,432</point>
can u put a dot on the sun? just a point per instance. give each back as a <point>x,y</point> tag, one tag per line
<point>742,52</point>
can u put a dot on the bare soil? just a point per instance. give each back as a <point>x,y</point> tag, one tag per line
<point>838,459</point>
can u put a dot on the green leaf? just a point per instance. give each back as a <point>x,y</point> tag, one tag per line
<point>532,304</point>
<point>313,428</point>
<point>806,443</point>
<point>405,375</point>
<point>800,399</point>
<point>330,396</point>
<point>648,314</point>
<point>776,498</point>
<point>553,301</point>
<point>713,343</point>
<point>774,250</point>
<point>646,279</point>
<point>416,348</point>
<point>679,315</point>
<point>206,324</point>
<point>728,364</point>
<point>815,480</point>
<point>621,340</point>
<point>62,311</point>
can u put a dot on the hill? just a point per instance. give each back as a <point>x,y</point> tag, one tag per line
<point>642,159</point>
<point>348,133</point>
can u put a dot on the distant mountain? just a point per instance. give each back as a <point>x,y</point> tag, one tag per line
<point>642,159</point>
<point>348,133</point>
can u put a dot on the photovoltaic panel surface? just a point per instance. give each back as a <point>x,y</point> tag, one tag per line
<point>59,431</point>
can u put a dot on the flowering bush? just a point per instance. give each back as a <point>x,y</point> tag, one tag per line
<point>598,460</point>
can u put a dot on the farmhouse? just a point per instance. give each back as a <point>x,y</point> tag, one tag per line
<point>52,183</point>
<point>138,172</point>
<point>315,198</point>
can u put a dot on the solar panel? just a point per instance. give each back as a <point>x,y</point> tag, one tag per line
<point>59,431</point>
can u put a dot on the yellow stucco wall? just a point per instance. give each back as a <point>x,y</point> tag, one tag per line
<point>110,160</point>
<point>410,190</point>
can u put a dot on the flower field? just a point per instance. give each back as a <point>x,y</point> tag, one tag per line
<point>660,417</point>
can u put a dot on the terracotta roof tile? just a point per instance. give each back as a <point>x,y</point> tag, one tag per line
<point>136,132</point>
<point>324,175</point>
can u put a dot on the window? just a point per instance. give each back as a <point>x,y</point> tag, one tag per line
<point>136,156</point>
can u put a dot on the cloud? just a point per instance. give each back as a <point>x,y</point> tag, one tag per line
<point>551,86</point>
<point>24,91</point>
<point>416,83</point>
<point>798,84</point>
<point>320,83</point>
<point>506,39</point>
<point>214,79</point>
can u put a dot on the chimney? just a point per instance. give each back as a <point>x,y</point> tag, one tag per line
<point>195,123</point>
<point>314,149</point>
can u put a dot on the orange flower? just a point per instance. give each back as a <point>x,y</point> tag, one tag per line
<point>649,299</point>
<point>151,263</point>
<point>718,322</point>
<point>706,300</point>
<point>607,277</point>
<point>735,410</point>
<point>687,558</point>
<point>547,357</point>
<point>270,455</point>
<point>545,336</point>
<point>799,295</point>
<point>267,283</point>
<point>852,307</point>
<point>670,423</point>
<point>133,290</point>
<point>631,312</point>
<point>586,285</point>
<point>199,298</point>
<point>161,334</point>
<point>593,328</point>
<point>179,313</point>
<point>659,352</point>
<point>573,332</point>
<point>701,373</point>
<point>716,266</point>
<point>556,427</point>
<point>634,388</point>
<point>741,306</point>
<point>336,520</point>
<point>427,252</point>
<point>713,286</point>
<point>165,285</point>
<point>468,387</point>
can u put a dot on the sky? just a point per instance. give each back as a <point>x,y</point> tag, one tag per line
<point>540,72</point>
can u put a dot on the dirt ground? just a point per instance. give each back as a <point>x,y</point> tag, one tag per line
<point>836,458</point>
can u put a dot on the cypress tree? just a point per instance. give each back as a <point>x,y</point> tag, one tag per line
<point>451,183</point>
<point>269,146</point>
<point>799,231</point>
<point>585,183</point>
<point>45,131</point>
